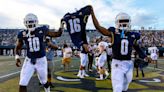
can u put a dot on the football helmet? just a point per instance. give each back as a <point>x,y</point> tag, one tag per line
<point>102,46</point>
<point>31,21</point>
<point>123,21</point>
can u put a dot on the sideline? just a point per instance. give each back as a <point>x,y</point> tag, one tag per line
<point>10,74</point>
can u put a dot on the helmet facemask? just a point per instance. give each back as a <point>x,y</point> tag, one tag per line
<point>31,21</point>
<point>124,24</point>
<point>123,21</point>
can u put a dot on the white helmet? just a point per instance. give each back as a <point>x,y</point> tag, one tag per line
<point>31,21</point>
<point>102,43</point>
<point>123,21</point>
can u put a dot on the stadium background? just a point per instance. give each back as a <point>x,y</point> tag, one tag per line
<point>148,38</point>
<point>9,73</point>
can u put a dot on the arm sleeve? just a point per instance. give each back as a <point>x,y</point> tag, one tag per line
<point>19,36</point>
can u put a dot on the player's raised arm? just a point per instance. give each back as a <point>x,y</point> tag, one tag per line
<point>55,33</point>
<point>18,47</point>
<point>101,29</point>
<point>50,44</point>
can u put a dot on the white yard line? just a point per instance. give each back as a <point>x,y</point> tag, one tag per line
<point>155,68</point>
<point>160,59</point>
<point>57,60</point>
<point>10,74</point>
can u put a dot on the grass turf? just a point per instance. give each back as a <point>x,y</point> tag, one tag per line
<point>88,84</point>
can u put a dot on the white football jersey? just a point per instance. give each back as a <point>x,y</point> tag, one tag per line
<point>67,52</point>
<point>109,51</point>
<point>152,50</point>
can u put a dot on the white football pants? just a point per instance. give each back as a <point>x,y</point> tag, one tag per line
<point>102,60</point>
<point>28,70</point>
<point>154,56</point>
<point>83,59</point>
<point>121,74</point>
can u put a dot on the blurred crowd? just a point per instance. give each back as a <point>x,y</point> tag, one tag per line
<point>148,37</point>
<point>8,36</point>
<point>151,38</point>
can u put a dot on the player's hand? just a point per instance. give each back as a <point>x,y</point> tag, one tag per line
<point>18,62</point>
<point>62,23</point>
<point>91,9</point>
<point>148,59</point>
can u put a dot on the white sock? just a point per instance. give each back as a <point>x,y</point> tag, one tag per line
<point>106,72</point>
<point>79,73</point>
<point>101,76</point>
<point>47,89</point>
<point>83,72</point>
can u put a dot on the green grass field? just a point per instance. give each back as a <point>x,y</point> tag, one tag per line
<point>89,84</point>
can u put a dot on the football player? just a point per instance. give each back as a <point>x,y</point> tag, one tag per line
<point>90,58</point>
<point>140,64</point>
<point>35,60</point>
<point>154,55</point>
<point>67,54</point>
<point>50,48</point>
<point>109,52</point>
<point>123,41</point>
<point>76,26</point>
<point>102,58</point>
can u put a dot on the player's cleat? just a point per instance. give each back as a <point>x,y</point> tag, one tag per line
<point>86,75</point>
<point>78,75</point>
<point>106,76</point>
<point>90,70</point>
<point>81,76</point>
<point>99,79</point>
<point>47,89</point>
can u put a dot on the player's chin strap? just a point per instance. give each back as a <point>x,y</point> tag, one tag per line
<point>122,33</point>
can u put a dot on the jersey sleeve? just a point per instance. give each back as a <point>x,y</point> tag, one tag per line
<point>137,36</point>
<point>111,29</point>
<point>45,28</point>
<point>20,35</point>
<point>64,17</point>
